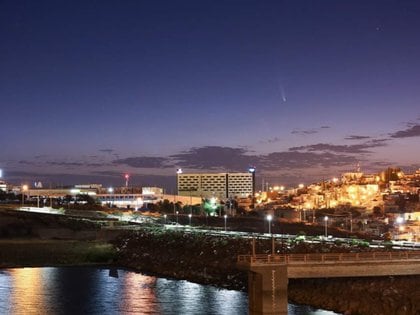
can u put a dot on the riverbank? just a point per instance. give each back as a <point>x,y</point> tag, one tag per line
<point>212,260</point>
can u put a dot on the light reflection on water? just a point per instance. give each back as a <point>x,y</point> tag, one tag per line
<point>90,290</point>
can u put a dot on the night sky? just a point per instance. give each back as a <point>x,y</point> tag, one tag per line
<point>303,90</point>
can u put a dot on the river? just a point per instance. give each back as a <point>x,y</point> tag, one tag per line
<point>91,290</point>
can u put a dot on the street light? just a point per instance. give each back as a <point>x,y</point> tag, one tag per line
<point>164,216</point>
<point>326,225</point>
<point>190,202</point>
<point>189,217</point>
<point>110,191</point>
<point>400,220</point>
<point>177,217</point>
<point>24,188</point>
<point>225,216</point>
<point>269,218</point>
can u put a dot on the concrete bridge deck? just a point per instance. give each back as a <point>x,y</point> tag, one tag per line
<point>291,259</point>
<point>268,274</point>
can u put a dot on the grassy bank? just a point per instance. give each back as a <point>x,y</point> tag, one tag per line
<point>34,252</point>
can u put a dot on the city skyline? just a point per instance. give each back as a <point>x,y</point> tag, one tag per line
<point>301,91</point>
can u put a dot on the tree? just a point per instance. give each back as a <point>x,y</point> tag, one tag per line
<point>166,206</point>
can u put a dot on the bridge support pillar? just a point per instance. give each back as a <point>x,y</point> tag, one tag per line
<point>267,290</point>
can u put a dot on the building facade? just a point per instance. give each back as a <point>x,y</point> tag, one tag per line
<point>218,185</point>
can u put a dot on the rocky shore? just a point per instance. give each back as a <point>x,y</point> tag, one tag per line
<point>212,260</point>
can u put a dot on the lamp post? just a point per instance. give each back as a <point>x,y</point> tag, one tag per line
<point>269,218</point>
<point>225,216</point>
<point>24,188</point>
<point>252,171</point>
<point>400,221</point>
<point>177,217</point>
<point>189,217</point>
<point>110,191</point>
<point>178,171</point>
<point>174,201</point>
<point>164,217</point>
<point>190,202</point>
<point>326,225</point>
<point>127,178</point>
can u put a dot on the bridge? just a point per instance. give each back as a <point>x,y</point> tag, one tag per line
<point>268,274</point>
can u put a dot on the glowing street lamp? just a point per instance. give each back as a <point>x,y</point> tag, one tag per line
<point>189,217</point>
<point>225,216</point>
<point>110,191</point>
<point>177,214</point>
<point>127,177</point>
<point>164,217</point>
<point>269,218</point>
<point>326,225</point>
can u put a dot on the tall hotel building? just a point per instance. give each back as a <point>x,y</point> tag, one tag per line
<point>220,185</point>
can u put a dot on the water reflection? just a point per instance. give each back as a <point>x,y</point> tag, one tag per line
<point>88,290</point>
<point>138,294</point>
<point>183,297</point>
<point>25,288</point>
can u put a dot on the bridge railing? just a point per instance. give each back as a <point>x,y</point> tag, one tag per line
<point>329,257</point>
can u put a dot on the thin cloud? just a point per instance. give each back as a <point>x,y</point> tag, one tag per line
<point>214,157</point>
<point>412,131</point>
<point>297,160</point>
<point>304,132</point>
<point>311,131</point>
<point>349,149</point>
<point>271,140</point>
<point>109,151</point>
<point>72,164</point>
<point>143,162</point>
<point>25,162</point>
<point>355,137</point>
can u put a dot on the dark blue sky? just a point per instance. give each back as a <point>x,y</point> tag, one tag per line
<point>301,89</point>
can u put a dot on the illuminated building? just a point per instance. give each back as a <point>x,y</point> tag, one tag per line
<point>3,186</point>
<point>220,185</point>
